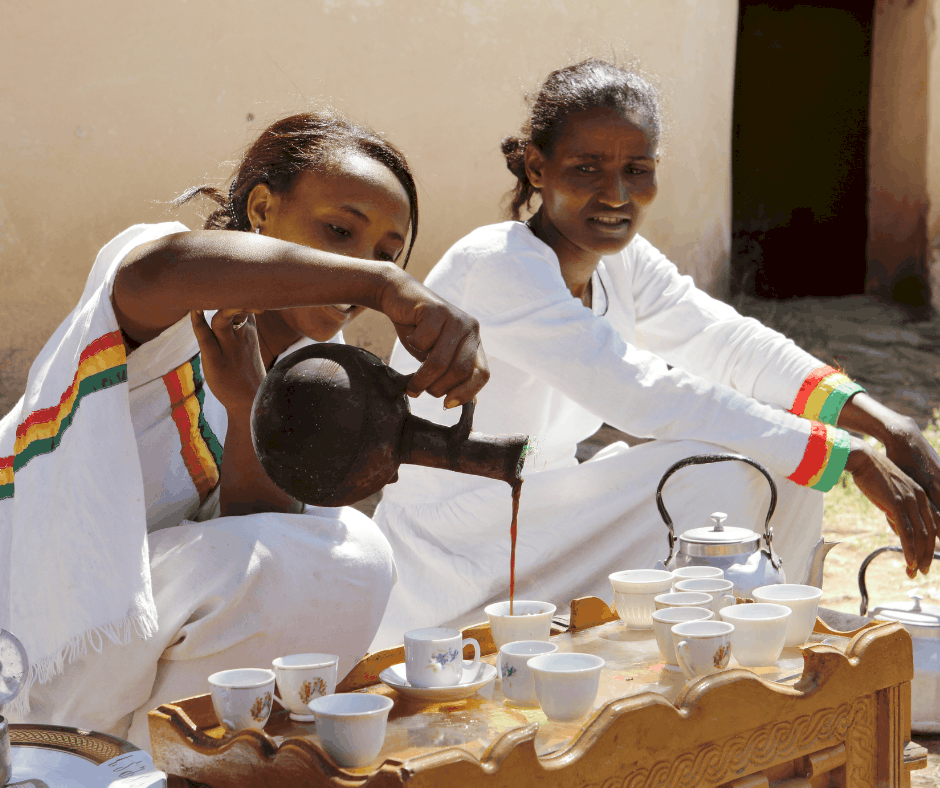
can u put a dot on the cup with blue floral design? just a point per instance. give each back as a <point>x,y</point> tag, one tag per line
<point>515,677</point>
<point>434,657</point>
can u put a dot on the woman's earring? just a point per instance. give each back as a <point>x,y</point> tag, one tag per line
<point>258,230</point>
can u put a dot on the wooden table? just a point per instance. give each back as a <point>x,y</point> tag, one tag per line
<point>834,713</point>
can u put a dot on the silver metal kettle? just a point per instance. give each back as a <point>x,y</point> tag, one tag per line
<point>923,624</point>
<point>737,551</point>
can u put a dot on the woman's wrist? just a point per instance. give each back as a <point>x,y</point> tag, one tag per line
<point>866,416</point>
<point>859,454</point>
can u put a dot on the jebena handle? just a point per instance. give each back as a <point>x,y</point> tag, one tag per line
<point>684,657</point>
<point>474,665</point>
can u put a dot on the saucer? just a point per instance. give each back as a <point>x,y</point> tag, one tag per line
<point>394,677</point>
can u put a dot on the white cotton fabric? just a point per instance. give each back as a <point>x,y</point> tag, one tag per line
<point>73,536</point>
<point>654,357</point>
<point>230,592</point>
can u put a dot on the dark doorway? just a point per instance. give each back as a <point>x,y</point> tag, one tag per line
<point>800,138</point>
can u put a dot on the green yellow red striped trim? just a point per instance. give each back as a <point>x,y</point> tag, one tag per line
<point>102,364</point>
<point>823,395</point>
<point>827,451</point>
<point>6,477</point>
<point>199,447</point>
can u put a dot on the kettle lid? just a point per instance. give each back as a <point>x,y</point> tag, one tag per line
<point>717,534</point>
<point>920,620</point>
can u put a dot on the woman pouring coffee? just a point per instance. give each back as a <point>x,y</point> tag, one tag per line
<point>586,322</point>
<point>141,545</point>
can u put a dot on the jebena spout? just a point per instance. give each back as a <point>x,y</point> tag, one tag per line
<point>814,569</point>
<point>460,449</point>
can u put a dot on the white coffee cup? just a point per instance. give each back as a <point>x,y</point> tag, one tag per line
<point>634,592</point>
<point>434,657</point>
<point>759,632</point>
<point>352,725</point>
<point>702,647</point>
<point>566,684</point>
<point>803,602</point>
<point>303,677</point>
<point>242,698</point>
<point>683,599</point>
<point>516,679</point>
<point>530,620</point>
<point>695,572</point>
<point>721,591</point>
<point>663,622</point>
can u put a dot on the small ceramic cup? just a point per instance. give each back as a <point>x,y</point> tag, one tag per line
<point>803,602</point>
<point>434,657</point>
<point>303,677</point>
<point>515,677</point>
<point>702,647</point>
<point>759,632</point>
<point>696,572</point>
<point>634,592</point>
<point>566,684</point>
<point>352,725</point>
<point>663,622</point>
<point>721,591</point>
<point>683,599</point>
<point>242,698</point>
<point>530,620</point>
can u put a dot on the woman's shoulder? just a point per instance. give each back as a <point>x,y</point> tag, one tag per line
<point>494,241</point>
<point>493,263</point>
<point>114,251</point>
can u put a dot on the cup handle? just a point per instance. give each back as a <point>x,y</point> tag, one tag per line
<point>684,657</point>
<point>727,601</point>
<point>475,662</point>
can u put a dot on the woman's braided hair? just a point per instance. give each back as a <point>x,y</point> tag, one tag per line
<point>294,145</point>
<point>590,84</point>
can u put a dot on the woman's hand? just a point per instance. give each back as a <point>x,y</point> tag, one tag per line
<point>910,512</point>
<point>231,358</point>
<point>444,338</point>
<point>907,448</point>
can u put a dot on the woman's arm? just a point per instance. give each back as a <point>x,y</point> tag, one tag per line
<point>158,283</point>
<point>233,369</point>
<point>692,330</point>
<point>911,471</point>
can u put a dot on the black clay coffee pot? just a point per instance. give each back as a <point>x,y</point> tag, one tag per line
<point>331,424</point>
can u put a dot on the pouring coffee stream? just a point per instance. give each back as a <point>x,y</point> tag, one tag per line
<point>331,424</point>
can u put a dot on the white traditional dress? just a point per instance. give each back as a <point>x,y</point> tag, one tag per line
<point>116,572</point>
<point>655,357</point>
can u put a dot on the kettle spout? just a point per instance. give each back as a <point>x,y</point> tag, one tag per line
<point>814,569</point>
<point>452,448</point>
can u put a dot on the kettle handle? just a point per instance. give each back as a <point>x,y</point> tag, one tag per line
<point>460,432</point>
<point>706,459</point>
<point>862,589</point>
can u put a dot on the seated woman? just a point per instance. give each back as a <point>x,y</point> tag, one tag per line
<point>585,322</point>
<point>133,434</point>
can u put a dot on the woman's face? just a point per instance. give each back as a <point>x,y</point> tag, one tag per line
<point>597,183</point>
<point>353,206</point>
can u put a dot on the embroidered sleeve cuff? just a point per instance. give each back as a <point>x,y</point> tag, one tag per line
<point>827,451</point>
<point>823,395</point>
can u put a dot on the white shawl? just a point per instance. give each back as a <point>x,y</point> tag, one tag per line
<point>74,563</point>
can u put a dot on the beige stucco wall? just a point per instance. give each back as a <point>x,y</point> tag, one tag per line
<point>898,194</point>
<point>933,150</point>
<point>111,108</point>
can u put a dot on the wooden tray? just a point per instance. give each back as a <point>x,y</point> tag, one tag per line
<point>836,710</point>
